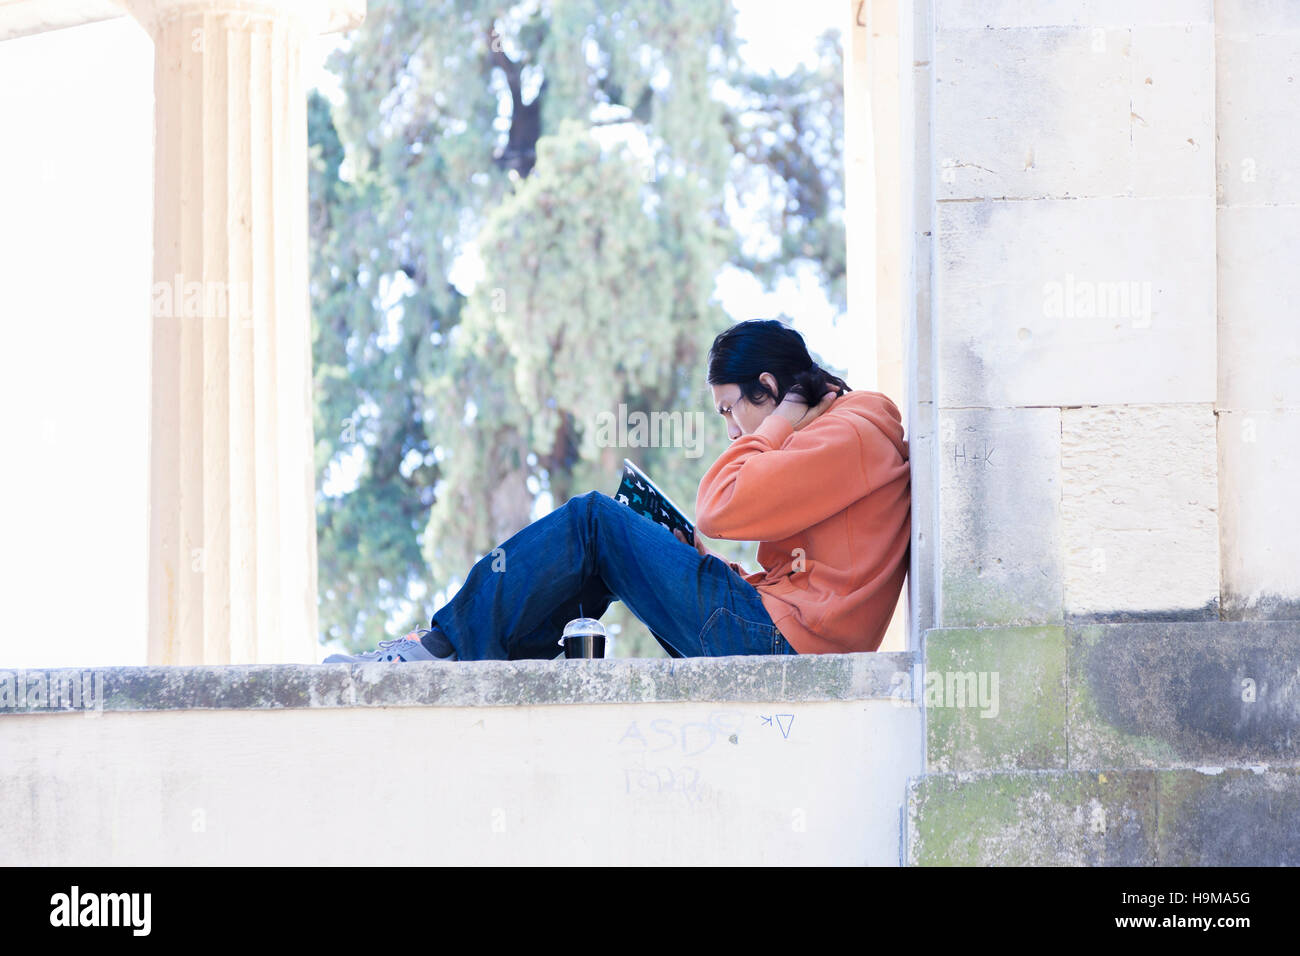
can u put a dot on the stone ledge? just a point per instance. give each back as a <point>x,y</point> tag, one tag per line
<point>820,677</point>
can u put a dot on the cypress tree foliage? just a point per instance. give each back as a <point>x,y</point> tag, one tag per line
<point>518,217</point>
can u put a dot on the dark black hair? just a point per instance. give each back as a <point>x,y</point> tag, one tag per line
<point>743,352</point>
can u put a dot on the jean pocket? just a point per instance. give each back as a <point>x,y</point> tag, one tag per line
<point>727,634</point>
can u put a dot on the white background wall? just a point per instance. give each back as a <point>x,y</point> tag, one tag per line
<point>570,784</point>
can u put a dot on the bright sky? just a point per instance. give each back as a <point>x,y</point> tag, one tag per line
<point>76,110</point>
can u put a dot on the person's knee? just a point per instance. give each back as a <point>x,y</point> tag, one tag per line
<point>602,504</point>
<point>586,505</point>
<point>591,500</point>
<point>598,506</point>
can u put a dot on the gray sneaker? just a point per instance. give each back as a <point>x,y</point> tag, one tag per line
<point>406,648</point>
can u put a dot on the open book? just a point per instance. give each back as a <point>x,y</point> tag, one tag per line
<point>639,493</point>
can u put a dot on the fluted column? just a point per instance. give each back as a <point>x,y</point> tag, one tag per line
<point>232,540</point>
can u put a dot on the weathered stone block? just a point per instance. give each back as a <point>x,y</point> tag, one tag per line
<point>1032,818</point>
<point>1228,817</point>
<point>1173,120</point>
<point>1087,302</point>
<point>1258,112</point>
<point>1255,17</point>
<point>994,698</point>
<point>1183,694</point>
<point>1139,510</point>
<point>1258,452</point>
<point>999,519</point>
<point>1032,113</point>
<point>1259,286</point>
<point>1075,112</point>
<point>962,14</point>
<point>821,677</point>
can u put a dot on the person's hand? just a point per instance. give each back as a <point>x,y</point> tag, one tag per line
<point>799,414</point>
<point>699,543</point>
<point>705,552</point>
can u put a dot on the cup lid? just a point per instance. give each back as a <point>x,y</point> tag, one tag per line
<point>584,625</point>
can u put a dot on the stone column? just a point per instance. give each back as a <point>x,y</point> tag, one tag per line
<point>874,174</point>
<point>859,175</point>
<point>1258,406</point>
<point>232,539</point>
<point>887,145</point>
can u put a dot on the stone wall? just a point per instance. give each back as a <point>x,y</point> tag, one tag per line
<point>1074,335</point>
<point>1108,360</point>
<point>632,762</point>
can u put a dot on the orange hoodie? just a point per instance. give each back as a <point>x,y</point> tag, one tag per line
<point>833,499</point>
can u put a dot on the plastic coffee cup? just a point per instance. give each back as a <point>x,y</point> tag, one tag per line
<point>584,637</point>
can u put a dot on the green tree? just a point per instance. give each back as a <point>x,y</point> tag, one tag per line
<point>591,159</point>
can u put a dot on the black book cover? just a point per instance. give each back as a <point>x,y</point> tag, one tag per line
<point>639,493</point>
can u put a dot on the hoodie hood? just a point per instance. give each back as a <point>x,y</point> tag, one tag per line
<point>876,408</point>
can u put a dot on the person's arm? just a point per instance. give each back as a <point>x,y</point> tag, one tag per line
<point>775,482</point>
<point>706,552</point>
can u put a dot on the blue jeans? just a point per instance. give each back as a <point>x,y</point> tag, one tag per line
<point>590,552</point>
